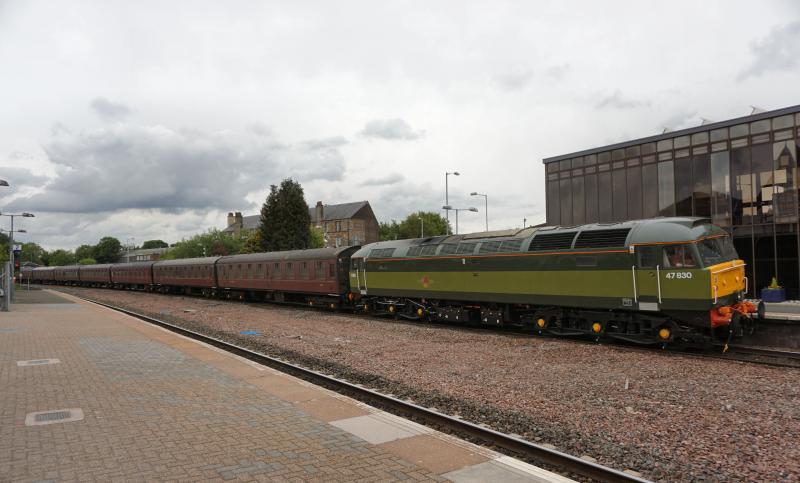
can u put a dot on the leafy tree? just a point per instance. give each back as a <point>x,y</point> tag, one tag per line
<point>61,257</point>
<point>252,244</point>
<point>84,251</point>
<point>432,224</point>
<point>154,244</point>
<point>32,252</point>
<point>317,238</point>
<point>388,231</point>
<point>285,222</point>
<point>107,250</point>
<point>87,261</point>
<point>210,243</point>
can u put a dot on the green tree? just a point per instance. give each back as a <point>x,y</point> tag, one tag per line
<point>285,222</point>
<point>32,252</point>
<point>154,244</point>
<point>87,261</point>
<point>252,244</point>
<point>317,238</point>
<point>84,251</point>
<point>61,257</point>
<point>210,243</point>
<point>432,224</point>
<point>107,250</point>
<point>388,231</point>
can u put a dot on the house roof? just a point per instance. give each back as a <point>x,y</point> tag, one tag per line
<point>337,212</point>
<point>342,211</point>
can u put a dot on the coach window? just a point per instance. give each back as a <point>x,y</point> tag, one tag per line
<point>679,256</point>
<point>304,270</point>
<point>289,271</point>
<point>332,270</point>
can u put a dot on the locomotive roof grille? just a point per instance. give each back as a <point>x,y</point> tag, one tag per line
<point>602,238</point>
<point>552,241</point>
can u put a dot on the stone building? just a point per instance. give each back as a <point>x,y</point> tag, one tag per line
<point>344,224</point>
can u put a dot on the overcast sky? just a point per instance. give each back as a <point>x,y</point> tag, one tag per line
<point>154,119</point>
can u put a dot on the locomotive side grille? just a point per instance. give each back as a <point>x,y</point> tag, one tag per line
<point>511,245</point>
<point>552,241</point>
<point>602,238</point>
<point>466,248</point>
<point>448,249</point>
<point>381,252</point>
<point>489,247</point>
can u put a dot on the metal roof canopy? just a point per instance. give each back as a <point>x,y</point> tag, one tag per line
<point>682,132</point>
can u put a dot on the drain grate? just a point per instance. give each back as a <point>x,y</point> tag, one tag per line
<point>38,362</point>
<point>54,416</point>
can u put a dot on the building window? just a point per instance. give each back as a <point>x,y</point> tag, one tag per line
<point>649,190</point>
<point>553,210</point>
<point>605,213</point>
<point>634,192</point>
<point>666,189</point>
<point>701,172</point>
<point>683,187</point>
<point>565,195</point>
<point>741,187</point>
<point>578,217</point>
<point>590,193</point>
<point>785,203</point>
<point>338,226</point>
<point>720,189</point>
<point>719,134</point>
<point>620,196</point>
<point>782,122</point>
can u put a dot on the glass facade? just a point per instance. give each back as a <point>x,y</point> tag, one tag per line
<point>743,176</point>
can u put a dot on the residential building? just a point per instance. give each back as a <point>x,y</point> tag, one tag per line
<point>343,224</point>
<point>741,173</point>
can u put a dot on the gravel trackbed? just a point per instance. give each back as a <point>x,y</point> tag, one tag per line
<point>669,417</point>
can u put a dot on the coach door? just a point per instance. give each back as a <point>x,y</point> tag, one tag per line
<point>646,276</point>
<point>360,266</point>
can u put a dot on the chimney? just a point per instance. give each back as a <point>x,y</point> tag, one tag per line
<point>237,218</point>
<point>230,219</point>
<point>320,212</point>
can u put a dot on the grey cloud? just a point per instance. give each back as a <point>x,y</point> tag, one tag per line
<point>677,120</point>
<point>19,177</point>
<point>389,179</point>
<point>776,52</point>
<point>515,81</point>
<point>126,166</point>
<point>618,101</point>
<point>108,110</point>
<point>391,129</point>
<point>557,72</point>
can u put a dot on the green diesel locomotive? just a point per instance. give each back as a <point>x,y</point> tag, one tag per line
<point>647,281</point>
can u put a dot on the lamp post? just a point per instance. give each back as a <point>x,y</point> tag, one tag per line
<point>485,204</point>
<point>421,225</point>
<point>10,274</point>
<point>447,197</point>
<point>471,208</point>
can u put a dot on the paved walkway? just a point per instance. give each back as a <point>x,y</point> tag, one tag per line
<point>92,395</point>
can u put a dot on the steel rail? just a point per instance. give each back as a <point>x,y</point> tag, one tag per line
<point>510,443</point>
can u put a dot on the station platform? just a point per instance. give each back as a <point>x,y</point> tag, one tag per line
<point>90,394</point>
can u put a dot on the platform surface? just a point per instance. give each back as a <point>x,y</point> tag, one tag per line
<point>93,395</point>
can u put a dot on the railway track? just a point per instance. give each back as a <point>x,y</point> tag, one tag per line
<point>459,427</point>
<point>739,353</point>
<point>761,355</point>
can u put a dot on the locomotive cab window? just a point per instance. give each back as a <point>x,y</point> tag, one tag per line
<point>680,256</point>
<point>716,250</point>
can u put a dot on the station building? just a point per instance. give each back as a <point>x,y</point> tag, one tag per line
<point>740,173</point>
